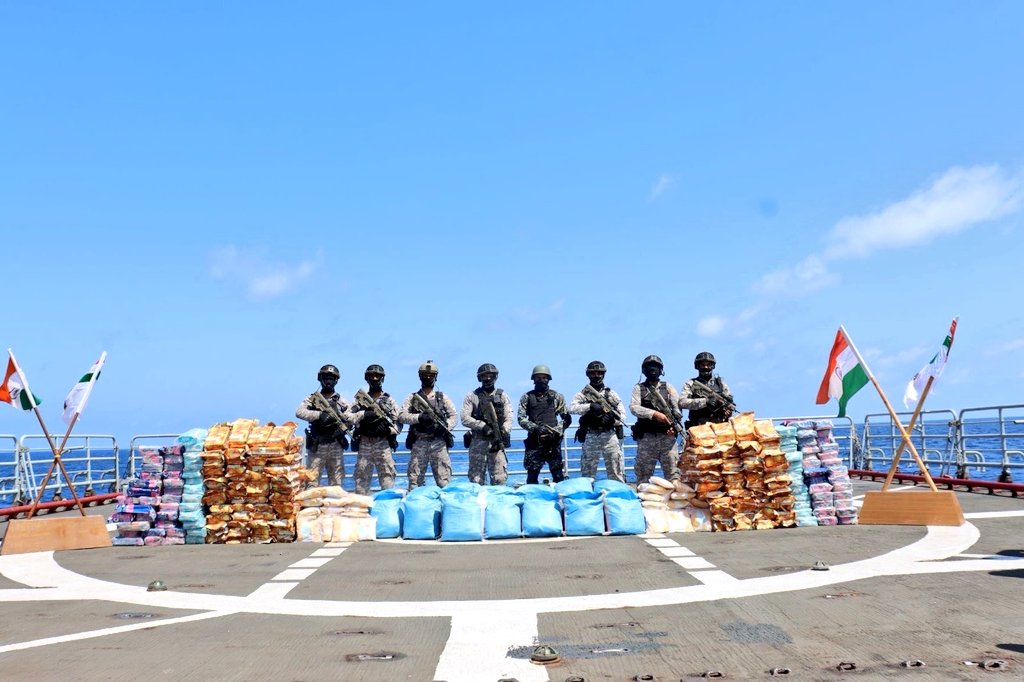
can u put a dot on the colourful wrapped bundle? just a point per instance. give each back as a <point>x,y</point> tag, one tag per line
<point>128,542</point>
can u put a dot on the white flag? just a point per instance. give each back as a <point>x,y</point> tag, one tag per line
<point>75,402</point>
<point>932,369</point>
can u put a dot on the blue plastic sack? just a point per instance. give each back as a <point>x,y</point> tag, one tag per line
<point>537,491</point>
<point>462,518</point>
<point>428,491</point>
<point>389,494</point>
<point>615,489</point>
<point>624,516</point>
<point>574,485</point>
<point>389,514</point>
<point>584,514</point>
<point>422,520</point>
<point>503,520</point>
<point>462,487</point>
<point>541,518</point>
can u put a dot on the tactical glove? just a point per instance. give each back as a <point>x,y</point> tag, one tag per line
<point>596,409</point>
<point>325,417</point>
<point>607,420</point>
<point>487,431</point>
<point>424,418</point>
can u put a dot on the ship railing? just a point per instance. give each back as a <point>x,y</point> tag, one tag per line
<point>90,461</point>
<point>989,437</point>
<point>12,487</point>
<point>934,437</point>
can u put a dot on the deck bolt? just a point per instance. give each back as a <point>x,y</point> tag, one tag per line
<point>913,663</point>
<point>819,565</point>
<point>846,666</point>
<point>157,586</point>
<point>993,664</point>
<point>775,672</point>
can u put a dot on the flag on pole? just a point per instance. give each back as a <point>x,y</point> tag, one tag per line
<point>844,376</point>
<point>932,369</point>
<point>15,388</point>
<point>75,402</point>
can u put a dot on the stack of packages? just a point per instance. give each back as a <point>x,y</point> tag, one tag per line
<point>215,483</point>
<point>190,511</point>
<point>815,475</point>
<point>167,529</point>
<point>330,514</point>
<point>623,512</point>
<point>743,457</point>
<point>838,474</point>
<point>135,511</point>
<point>788,445</point>
<point>281,458</point>
<point>674,507</point>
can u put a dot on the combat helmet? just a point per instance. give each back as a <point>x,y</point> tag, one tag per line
<point>374,369</point>
<point>428,367</point>
<point>541,369</point>
<point>486,368</point>
<point>704,356</point>
<point>328,370</point>
<point>596,366</point>
<point>652,360</point>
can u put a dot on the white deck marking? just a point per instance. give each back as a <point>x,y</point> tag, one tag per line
<point>676,551</point>
<point>990,557</point>
<point>111,631</point>
<point>294,574</point>
<point>309,563</point>
<point>993,515</point>
<point>713,577</point>
<point>272,591</point>
<point>478,645</point>
<point>692,562</point>
<point>328,551</point>
<point>662,542</point>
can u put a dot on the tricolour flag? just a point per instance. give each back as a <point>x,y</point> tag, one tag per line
<point>932,369</point>
<point>15,388</point>
<point>79,394</point>
<point>844,376</point>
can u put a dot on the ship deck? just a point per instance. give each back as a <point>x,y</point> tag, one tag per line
<point>664,607</point>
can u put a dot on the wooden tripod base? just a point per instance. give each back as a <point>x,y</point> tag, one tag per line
<point>925,508</point>
<point>43,535</point>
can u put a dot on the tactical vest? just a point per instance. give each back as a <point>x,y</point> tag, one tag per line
<point>436,400</point>
<point>703,415</point>
<point>541,408</point>
<point>322,433</point>
<point>644,425</point>
<point>499,404</point>
<point>590,422</point>
<point>372,426</point>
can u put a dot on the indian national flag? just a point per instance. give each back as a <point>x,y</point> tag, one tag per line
<point>79,394</point>
<point>844,376</point>
<point>932,369</point>
<point>15,388</point>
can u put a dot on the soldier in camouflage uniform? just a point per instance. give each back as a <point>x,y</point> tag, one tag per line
<point>705,408</point>
<point>600,431</point>
<point>653,431</point>
<point>376,436</point>
<point>542,412</point>
<point>487,449</point>
<point>430,430</point>
<point>325,438</point>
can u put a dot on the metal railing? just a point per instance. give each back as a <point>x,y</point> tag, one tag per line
<point>995,439</point>
<point>934,437</point>
<point>90,460</point>
<point>11,485</point>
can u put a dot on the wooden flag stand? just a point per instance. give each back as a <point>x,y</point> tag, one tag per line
<point>41,535</point>
<point>928,508</point>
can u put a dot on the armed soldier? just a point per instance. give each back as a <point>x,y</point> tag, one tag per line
<point>706,396</point>
<point>487,412</point>
<point>542,412</point>
<point>329,421</point>
<point>657,422</point>
<point>602,418</point>
<point>375,416</point>
<point>432,417</point>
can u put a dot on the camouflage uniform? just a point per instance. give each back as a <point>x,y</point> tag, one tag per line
<point>551,406</point>
<point>601,441</point>
<point>428,447</point>
<point>654,444</point>
<point>481,457</point>
<point>700,409</point>
<point>328,450</point>
<point>375,450</point>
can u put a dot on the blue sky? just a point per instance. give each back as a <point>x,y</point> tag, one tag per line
<point>226,197</point>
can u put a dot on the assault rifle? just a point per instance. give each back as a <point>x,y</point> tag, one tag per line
<point>364,400</point>
<point>440,423</point>
<point>711,394</point>
<point>661,406</point>
<point>595,396</point>
<point>334,420</point>
<point>490,416</point>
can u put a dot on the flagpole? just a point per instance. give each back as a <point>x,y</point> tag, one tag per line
<point>892,412</point>
<point>910,429</point>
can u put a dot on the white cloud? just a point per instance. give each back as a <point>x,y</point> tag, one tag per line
<point>959,200</point>
<point>262,278</point>
<point>710,326</point>
<point>664,183</point>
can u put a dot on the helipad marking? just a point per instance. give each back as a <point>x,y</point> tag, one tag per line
<point>993,515</point>
<point>328,551</point>
<point>309,563</point>
<point>478,645</point>
<point>294,574</point>
<point>662,542</point>
<point>672,552</point>
<point>693,562</point>
<point>715,577</point>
